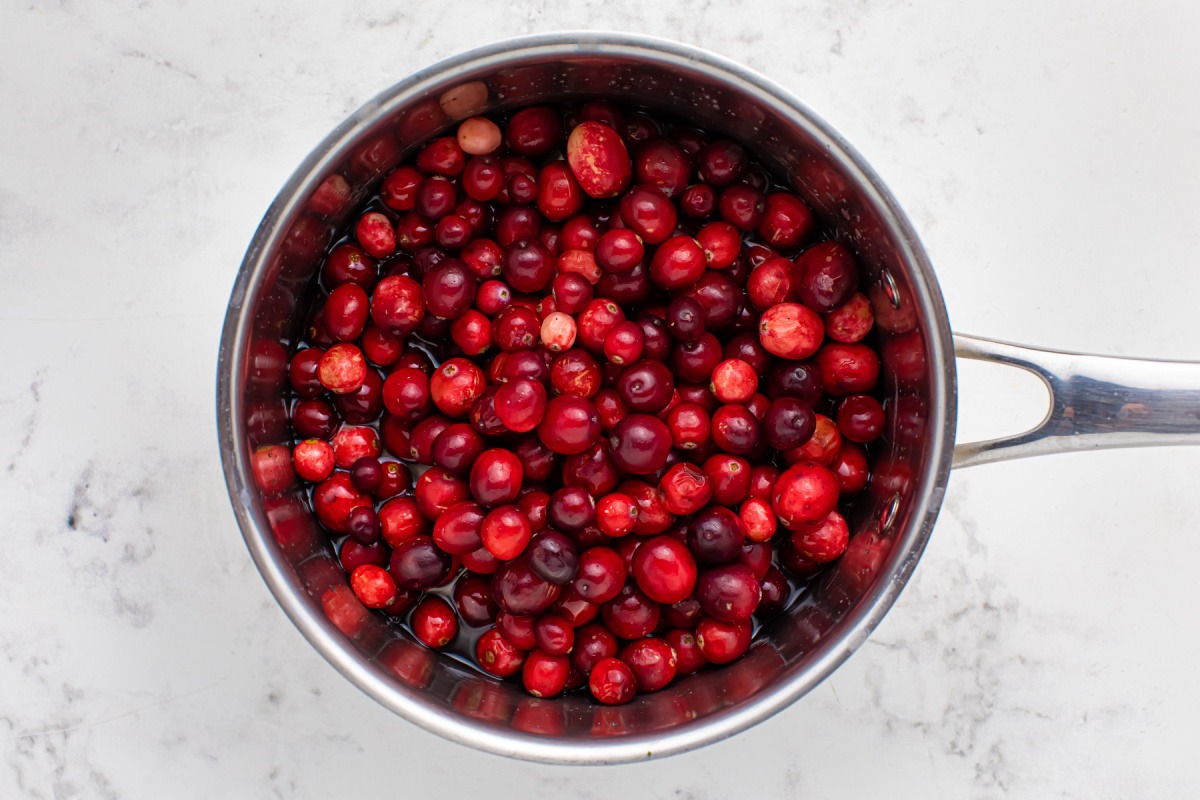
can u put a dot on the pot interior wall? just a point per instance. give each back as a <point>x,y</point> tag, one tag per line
<point>277,287</point>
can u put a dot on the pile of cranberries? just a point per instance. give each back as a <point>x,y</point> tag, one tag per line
<point>633,377</point>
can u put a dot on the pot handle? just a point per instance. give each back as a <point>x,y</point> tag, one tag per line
<point>1096,402</point>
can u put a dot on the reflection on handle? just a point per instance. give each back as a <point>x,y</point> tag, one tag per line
<point>1096,402</point>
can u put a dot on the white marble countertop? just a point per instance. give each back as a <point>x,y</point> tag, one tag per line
<point>1047,154</point>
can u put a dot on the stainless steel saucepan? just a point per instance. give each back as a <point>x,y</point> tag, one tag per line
<point>1096,402</point>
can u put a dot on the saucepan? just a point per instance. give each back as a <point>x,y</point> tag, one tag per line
<point>1095,401</point>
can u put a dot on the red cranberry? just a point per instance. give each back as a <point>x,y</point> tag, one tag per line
<point>851,468</point>
<point>519,590</point>
<point>559,194</point>
<point>688,658</point>
<point>827,276</point>
<point>496,477</point>
<point>662,163</point>
<point>434,623</point>
<point>554,635</point>
<point>528,266</point>
<point>351,444</point>
<point>592,644</point>
<point>771,283</point>
<point>805,493</point>
<point>677,263</point>
<point>822,447</point>
<point>601,575</point>
<point>517,225</point>
<point>822,540</point>
<point>554,557</point>
<point>715,535</point>
<point>303,372</point>
<point>533,502</point>
<point>313,460</point>
<point>417,563</point>
<point>375,233</point>
<point>646,386</point>
<point>496,656</point>
<point>456,385</point>
<point>790,330</point>
<point>506,532</point>
<point>699,201</point>
<point>686,489</point>
<point>520,404</point>
<point>406,393</point>
<point>735,430</point>
<point>574,609</point>
<point>694,362</point>
<point>775,591</point>
<point>571,292</point>
<point>652,661</point>
<point>734,381</point>
<point>342,369</point>
<point>401,519</point>
<point>517,629</point>
<point>544,674</point>
<point>449,289</point>
<point>847,368</point>
<point>758,519</point>
<point>571,425</point>
<point>722,642</point>
<point>860,418</point>
<point>742,206</point>
<point>851,321</point>
<point>576,373</point>
<point>616,514</point>
<point>598,159</point>
<point>787,222</point>
<point>612,682</point>
<point>648,213</point>
<point>423,435</point>
<point>373,586</point>
<point>640,444</point>
<point>413,232</point>
<point>442,156</point>
<point>624,343</point>
<point>397,305</point>
<point>730,476</point>
<point>580,233</point>
<point>721,163</point>
<point>534,131</point>
<point>729,592</point>
<point>721,243</point>
<point>631,614</point>
<point>619,250</point>
<point>592,470</point>
<point>652,517</point>
<point>689,426</point>
<point>354,554</point>
<point>664,569</point>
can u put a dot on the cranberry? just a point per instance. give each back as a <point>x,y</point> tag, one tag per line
<point>827,276</point>
<point>592,470</point>
<point>449,289</point>
<point>734,381</point>
<point>373,586</point>
<point>662,163</point>
<point>574,609</point>
<point>517,629</point>
<point>823,539</point>
<point>775,591</point>
<point>686,489</point>
<point>506,532</point>
<point>631,614</point>
<point>519,590</point>
<point>559,194</point>
<point>685,318</point>
<point>721,243</point>
<point>735,430</point>
<point>648,213</point>
<point>554,557</point>
<point>688,658</point>
<point>598,159</point>
<point>730,476</point>
<point>528,266</point>
<point>596,322</point>
<point>640,444</point>
<point>729,592</point>
<point>442,156</point>
<point>805,493</point>
<point>397,305</point>
<point>758,519</point>
<point>601,575</point>
<point>401,519</point>
<point>571,509</point>
<point>544,674</point>
<point>721,163</point>
<point>664,569</point>
<point>646,386</point>
<point>354,554</point>
<point>478,135</point>
<point>571,292</point>
<point>743,206</point>
<point>313,460</point>
<point>787,221</point>
<point>800,379</point>
<point>473,600</point>
<point>576,373</point>
<point>790,330</point>
<point>496,477</point>
<point>520,404</point>
<point>413,232</point>
<point>851,321</point>
<point>521,364</point>
<point>788,423</point>
<point>472,332</point>
<point>456,385</point>
<point>423,435</point>
<point>624,343</point>
<point>399,189</point>
<point>722,642</point>
<point>496,656</point>
<point>619,250</point>
<point>593,643</point>
<point>860,418</point>
<point>694,362</point>
<point>342,369</point>
<point>689,425</point>
<point>434,623</point>
<point>437,490</point>
<point>558,331</point>
<point>616,514</point>
<point>417,563</point>
<point>847,368</point>
<point>652,661</point>
<point>715,535</point>
<point>351,444</point>
<point>367,474</point>
<point>554,635</point>
<point>771,283</point>
<point>580,233</point>
<point>571,425</point>
<point>699,201</point>
<point>533,502</point>
<point>375,233</point>
<point>612,682</point>
<point>677,263</point>
<point>581,263</point>
<point>534,131</point>
<point>851,468</point>
<point>719,297</point>
<point>406,393</point>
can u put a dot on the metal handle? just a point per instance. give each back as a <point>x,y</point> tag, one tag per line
<point>1096,402</point>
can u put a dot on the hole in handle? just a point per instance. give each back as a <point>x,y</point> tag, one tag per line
<point>998,400</point>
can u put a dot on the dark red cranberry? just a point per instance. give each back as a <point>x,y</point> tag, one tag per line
<point>631,614</point>
<point>496,477</point>
<point>648,213</point>
<point>715,535</point>
<point>457,448</point>
<point>742,206</point>
<point>534,131</point>
<point>735,430</point>
<point>693,362</point>
<point>827,276</point>
<point>515,225</point>
<point>528,266</point>
<point>473,599</point>
<point>860,418</point>
<point>851,468</point>
<point>698,201</point>
<point>619,250</point>
<point>417,563</point>
<point>662,163</point>
<point>719,297</point>
<point>656,337</point>
<point>684,614</point>
<point>721,162</point>
<point>685,318</point>
<point>646,386</point>
<point>640,444</point>
<point>533,502</point>
<point>353,554</point>
<point>688,657</point>
<point>729,592</point>
<point>553,557</point>
<point>592,470</point>
<point>449,289</point>
<point>571,509</point>
<point>592,644</point>
<point>789,423</point>
<point>571,292</point>
<point>775,591</point>
<point>519,590</point>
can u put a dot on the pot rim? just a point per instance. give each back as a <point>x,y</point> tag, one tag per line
<point>830,653</point>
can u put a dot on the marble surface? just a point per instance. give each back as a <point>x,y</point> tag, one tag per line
<point>1047,154</point>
